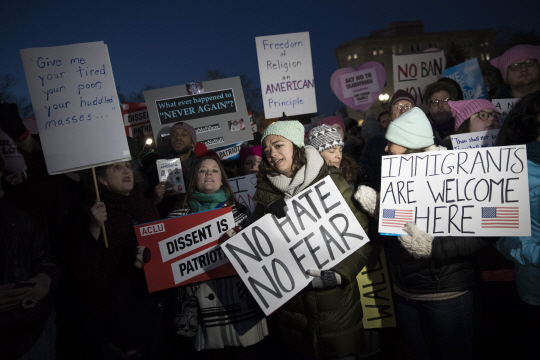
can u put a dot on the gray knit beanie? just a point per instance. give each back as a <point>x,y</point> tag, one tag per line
<point>324,137</point>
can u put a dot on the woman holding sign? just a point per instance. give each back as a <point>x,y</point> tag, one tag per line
<point>122,316</point>
<point>325,318</point>
<point>433,276</point>
<point>220,312</point>
<point>474,115</point>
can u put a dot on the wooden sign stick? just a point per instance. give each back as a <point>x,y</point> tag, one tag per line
<point>97,194</point>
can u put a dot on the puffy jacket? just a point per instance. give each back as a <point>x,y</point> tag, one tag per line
<point>328,323</point>
<point>23,254</point>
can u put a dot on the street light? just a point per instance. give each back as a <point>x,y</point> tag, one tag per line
<point>383,98</point>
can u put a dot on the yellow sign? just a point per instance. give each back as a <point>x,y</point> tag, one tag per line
<point>376,294</point>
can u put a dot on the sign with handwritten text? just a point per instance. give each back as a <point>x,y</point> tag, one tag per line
<point>243,188</point>
<point>504,106</point>
<point>470,80</point>
<point>478,139</point>
<point>413,73</point>
<point>470,192</point>
<point>286,73</point>
<point>76,106</point>
<point>218,114</point>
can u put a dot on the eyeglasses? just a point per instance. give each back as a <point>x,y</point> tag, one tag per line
<point>517,66</point>
<point>435,103</point>
<point>484,115</point>
<point>399,107</point>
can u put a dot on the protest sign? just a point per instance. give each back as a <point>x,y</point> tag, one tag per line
<point>244,188</point>
<point>136,120</point>
<point>186,249</point>
<point>229,152</point>
<point>469,77</point>
<point>468,192</point>
<point>376,293</point>
<point>286,73</point>
<point>272,255</point>
<point>504,106</point>
<point>76,106</point>
<point>13,159</point>
<point>359,88</point>
<point>478,139</point>
<point>413,73</point>
<point>219,114</point>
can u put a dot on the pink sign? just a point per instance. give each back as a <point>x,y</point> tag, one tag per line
<point>359,88</point>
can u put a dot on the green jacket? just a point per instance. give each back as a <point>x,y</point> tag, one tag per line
<point>328,323</point>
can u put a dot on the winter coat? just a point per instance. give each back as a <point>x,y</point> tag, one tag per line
<point>525,250</point>
<point>229,315</point>
<point>23,254</point>
<point>326,322</point>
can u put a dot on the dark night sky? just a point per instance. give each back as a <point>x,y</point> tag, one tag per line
<point>167,43</point>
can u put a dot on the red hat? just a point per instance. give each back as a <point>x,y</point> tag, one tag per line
<point>248,151</point>
<point>331,120</point>
<point>401,95</point>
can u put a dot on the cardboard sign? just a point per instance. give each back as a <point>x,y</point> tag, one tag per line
<point>413,73</point>
<point>359,88</point>
<point>471,192</point>
<point>272,255</point>
<point>185,249</point>
<point>504,106</point>
<point>76,106</point>
<point>286,73</point>
<point>215,113</point>
<point>478,139</point>
<point>376,293</point>
<point>14,161</point>
<point>469,77</point>
<point>136,120</point>
<point>244,189</point>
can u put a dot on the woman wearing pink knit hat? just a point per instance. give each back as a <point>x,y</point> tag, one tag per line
<point>474,115</point>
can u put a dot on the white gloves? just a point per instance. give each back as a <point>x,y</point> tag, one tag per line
<point>418,243</point>
<point>368,199</point>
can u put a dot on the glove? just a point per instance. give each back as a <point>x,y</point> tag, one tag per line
<point>142,256</point>
<point>368,199</point>
<point>418,243</point>
<point>11,122</point>
<point>324,279</point>
<point>278,208</point>
<point>229,234</point>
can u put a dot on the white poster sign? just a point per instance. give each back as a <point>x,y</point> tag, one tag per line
<point>413,73</point>
<point>363,82</point>
<point>76,106</point>
<point>286,73</point>
<point>272,255</point>
<point>244,189</point>
<point>471,192</point>
<point>504,106</point>
<point>478,139</point>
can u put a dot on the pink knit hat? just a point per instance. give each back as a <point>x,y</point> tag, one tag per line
<point>331,120</point>
<point>515,53</point>
<point>248,151</point>
<point>462,110</point>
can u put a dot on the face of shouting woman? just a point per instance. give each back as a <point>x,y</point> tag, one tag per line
<point>209,177</point>
<point>118,178</point>
<point>279,153</point>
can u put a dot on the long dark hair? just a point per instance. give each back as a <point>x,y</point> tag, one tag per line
<point>192,186</point>
<point>522,125</point>
<point>350,169</point>
<point>299,160</point>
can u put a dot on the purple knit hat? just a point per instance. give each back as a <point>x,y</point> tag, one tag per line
<point>188,128</point>
<point>517,52</point>
<point>331,120</point>
<point>462,110</point>
<point>401,95</point>
<point>248,151</point>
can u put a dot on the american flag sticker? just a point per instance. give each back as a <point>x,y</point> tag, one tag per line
<point>396,218</point>
<point>500,217</point>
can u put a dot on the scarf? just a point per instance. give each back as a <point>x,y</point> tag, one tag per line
<point>202,202</point>
<point>533,152</point>
<point>303,178</point>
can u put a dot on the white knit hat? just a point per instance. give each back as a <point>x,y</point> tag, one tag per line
<point>411,130</point>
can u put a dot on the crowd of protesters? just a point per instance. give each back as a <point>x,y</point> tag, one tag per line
<point>69,290</point>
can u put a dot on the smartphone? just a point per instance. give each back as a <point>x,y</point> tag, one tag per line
<point>22,284</point>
